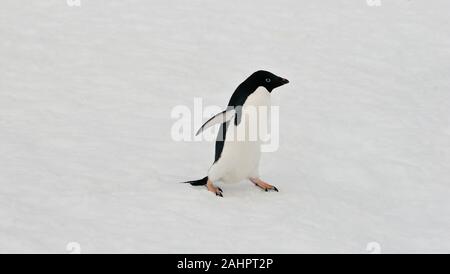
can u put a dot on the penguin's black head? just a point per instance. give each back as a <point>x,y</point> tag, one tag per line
<point>266,79</point>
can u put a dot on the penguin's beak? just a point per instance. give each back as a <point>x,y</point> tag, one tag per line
<point>284,81</point>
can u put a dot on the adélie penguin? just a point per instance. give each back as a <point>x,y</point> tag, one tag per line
<point>237,155</point>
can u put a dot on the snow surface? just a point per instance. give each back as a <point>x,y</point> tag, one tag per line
<point>86,152</point>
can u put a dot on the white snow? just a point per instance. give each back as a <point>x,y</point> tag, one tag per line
<point>86,152</point>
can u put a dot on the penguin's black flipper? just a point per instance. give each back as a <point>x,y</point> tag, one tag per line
<point>219,118</point>
<point>200,182</point>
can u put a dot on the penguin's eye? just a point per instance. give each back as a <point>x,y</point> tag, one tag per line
<point>268,80</point>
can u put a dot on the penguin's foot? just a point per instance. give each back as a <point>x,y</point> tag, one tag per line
<point>211,187</point>
<point>263,185</point>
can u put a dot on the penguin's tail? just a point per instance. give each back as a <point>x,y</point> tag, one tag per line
<point>200,182</point>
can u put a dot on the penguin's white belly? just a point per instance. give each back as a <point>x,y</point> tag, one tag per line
<point>242,147</point>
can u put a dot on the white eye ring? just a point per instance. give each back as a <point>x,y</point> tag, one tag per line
<point>268,80</point>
